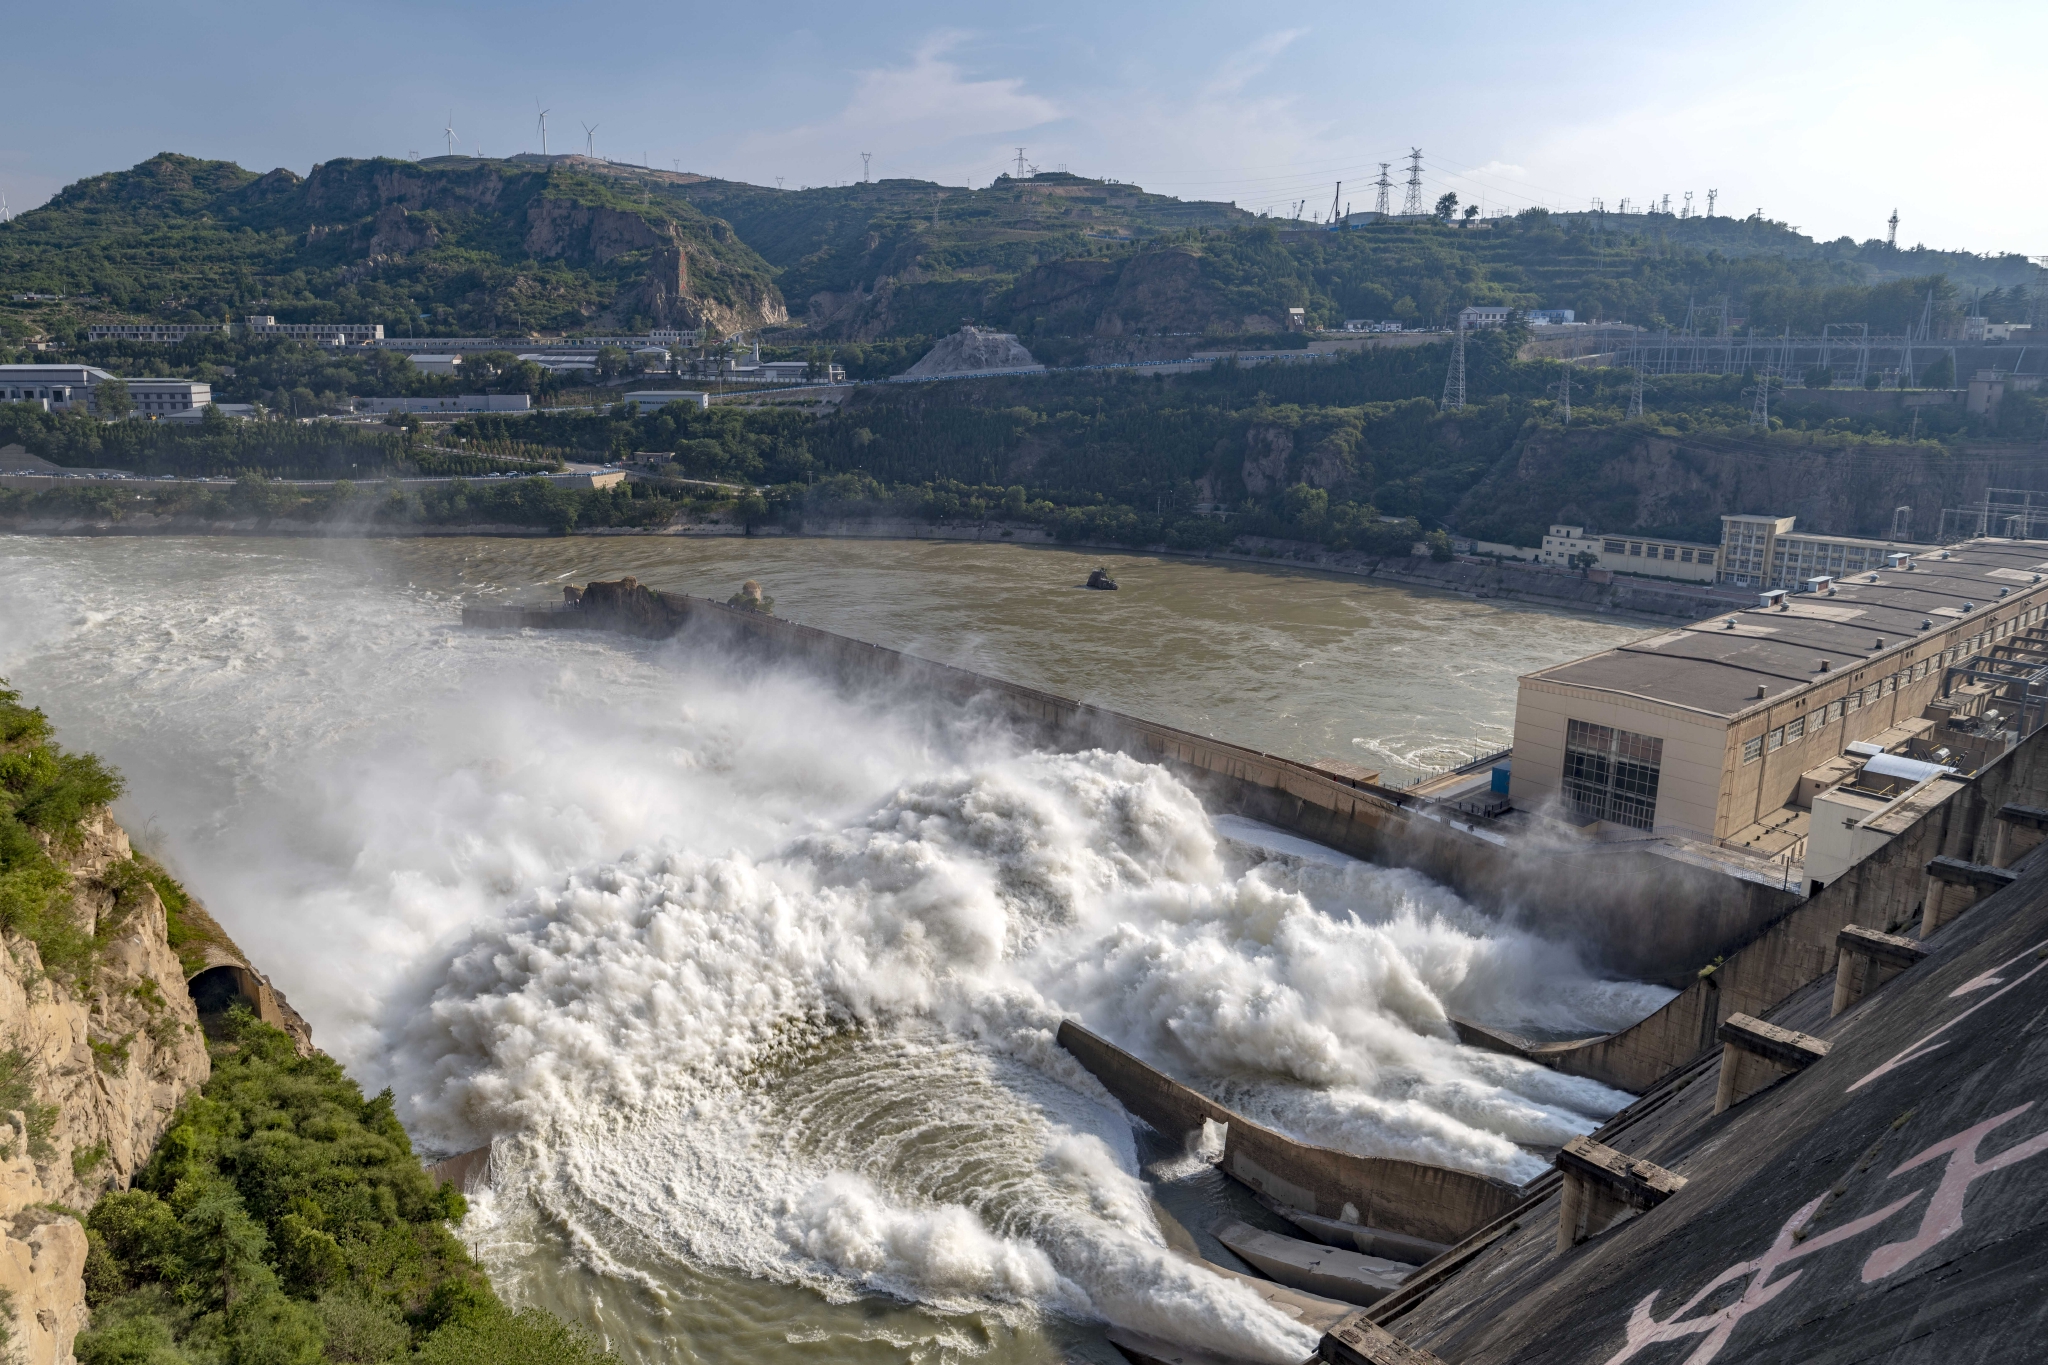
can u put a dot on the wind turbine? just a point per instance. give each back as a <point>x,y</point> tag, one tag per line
<point>590,140</point>
<point>450,132</point>
<point>543,127</point>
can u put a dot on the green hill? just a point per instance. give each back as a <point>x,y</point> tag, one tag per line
<point>490,247</point>
<point>461,246</point>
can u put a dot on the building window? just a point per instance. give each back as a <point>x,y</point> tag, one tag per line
<point>1752,749</point>
<point>1685,556</point>
<point>1669,551</point>
<point>1611,774</point>
<point>1635,548</point>
<point>1776,740</point>
<point>1796,730</point>
<point>1853,701</point>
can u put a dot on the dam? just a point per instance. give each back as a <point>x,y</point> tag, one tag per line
<point>1444,1221</point>
<point>622,875</point>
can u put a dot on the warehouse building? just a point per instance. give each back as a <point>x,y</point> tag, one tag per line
<point>1705,731</point>
<point>1765,552</point>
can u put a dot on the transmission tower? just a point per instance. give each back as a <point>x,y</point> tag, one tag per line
<point>1384,185</point>
<point>1334,196</point>
<point>1020,163</point>
<point>1635,392</point>
<point>1411,206</point>
<point>1711,196</point>
<point>1902,524</point>
<point>1454,382</point>
<point>1687,213</point>
<point>1564,391</point>
<point>865,157</point>
<point>1891,234</point>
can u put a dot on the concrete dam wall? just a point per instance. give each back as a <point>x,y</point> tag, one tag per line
<point>1614,899</point>
<point>1431,1202</point>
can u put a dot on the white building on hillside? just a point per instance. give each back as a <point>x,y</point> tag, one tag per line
<point>166,397</point>
<point>166,332</point>
<point>55,387</point>
<point>324,333</point>
<point>437,364</point>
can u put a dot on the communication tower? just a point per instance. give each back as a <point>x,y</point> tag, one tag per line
<point>1383,185</point>
<point>1686,212</point>
<point>1411,206</point>
<point>1454,380</point>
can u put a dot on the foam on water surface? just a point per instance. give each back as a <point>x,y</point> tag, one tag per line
<point>754,984</point>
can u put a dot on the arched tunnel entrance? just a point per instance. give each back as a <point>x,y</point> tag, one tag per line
<point>216,989</point>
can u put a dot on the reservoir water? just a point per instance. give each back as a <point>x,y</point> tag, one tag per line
<point>751,982</point>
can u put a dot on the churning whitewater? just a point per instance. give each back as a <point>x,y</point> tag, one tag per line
<point>743,976</point>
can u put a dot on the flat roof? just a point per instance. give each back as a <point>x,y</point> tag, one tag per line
<point>1711,668</point>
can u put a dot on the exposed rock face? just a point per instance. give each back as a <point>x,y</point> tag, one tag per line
<point>42,1260</point>
<point>972,351</point>
<point>99,1070</point>
<point>118,1060</point>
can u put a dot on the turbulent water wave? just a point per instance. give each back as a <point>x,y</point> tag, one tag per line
<point>743,976</point>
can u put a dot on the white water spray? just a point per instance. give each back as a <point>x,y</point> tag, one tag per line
<point>748,975</point>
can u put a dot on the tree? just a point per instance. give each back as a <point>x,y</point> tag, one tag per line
<point>1940,375</point>
<point>1446,206</point>
<point>1471,212</point>
<point>612,361</point>
<point>1819,377</point>
<point>110,399</point>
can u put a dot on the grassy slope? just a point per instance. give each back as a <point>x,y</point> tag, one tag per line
<point>284,1220</point>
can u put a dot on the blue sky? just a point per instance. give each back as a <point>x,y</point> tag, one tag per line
<point>1827,116</point>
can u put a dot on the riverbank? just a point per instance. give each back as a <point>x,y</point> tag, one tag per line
<point>1467,576</point>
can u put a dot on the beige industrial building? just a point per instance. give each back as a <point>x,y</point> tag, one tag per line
<point>1705,731</point>
<point>1660,557</point>
<point>1766,552</point>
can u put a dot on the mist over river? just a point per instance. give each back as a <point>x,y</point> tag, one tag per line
<point>752,982</point>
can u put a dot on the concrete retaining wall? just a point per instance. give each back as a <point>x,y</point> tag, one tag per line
<point>1883,892</point>
<point>1432,1202</point>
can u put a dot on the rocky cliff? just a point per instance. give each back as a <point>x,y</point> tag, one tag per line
<point>97,1059</point>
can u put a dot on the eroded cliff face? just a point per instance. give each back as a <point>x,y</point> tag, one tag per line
<point>93,1066</point>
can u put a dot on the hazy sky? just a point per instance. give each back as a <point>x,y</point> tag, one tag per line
<point>1827,116</point>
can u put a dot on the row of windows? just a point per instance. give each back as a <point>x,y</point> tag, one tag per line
<point>1640,549</point>
<point>1800,726</point>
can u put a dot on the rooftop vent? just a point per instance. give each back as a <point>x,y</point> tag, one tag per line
<point>1879,644</point>
<point>1730,625</point>
<point>1823,665</point>
<point>1759,691</point>
<point>1944,554</point>
<point>1969,606</point>
<point>1927,625</point>
<point>2003,591</point>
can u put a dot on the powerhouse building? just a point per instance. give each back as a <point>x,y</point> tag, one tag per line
<point>1703,731</point>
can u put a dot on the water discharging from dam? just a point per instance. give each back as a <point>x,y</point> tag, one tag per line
<point>755,983</point>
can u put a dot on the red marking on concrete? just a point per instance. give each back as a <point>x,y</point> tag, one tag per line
<point>1915,1051</point>
<point>1943,1219</point>
<point>1944,1216</point>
